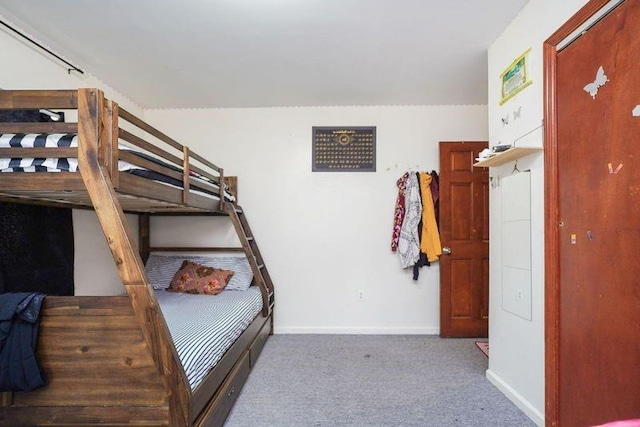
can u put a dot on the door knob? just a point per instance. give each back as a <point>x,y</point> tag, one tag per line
<point>446,251</point>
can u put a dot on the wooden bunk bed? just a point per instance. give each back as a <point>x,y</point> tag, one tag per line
<point>111,360</point>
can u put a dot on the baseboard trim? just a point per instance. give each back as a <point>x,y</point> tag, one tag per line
<point>356,331</point>
<point>517,399</point>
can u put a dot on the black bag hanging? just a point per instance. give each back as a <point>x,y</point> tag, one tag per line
<point>36,243</point>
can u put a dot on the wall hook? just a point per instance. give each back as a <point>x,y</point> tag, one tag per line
<point>515,167</point>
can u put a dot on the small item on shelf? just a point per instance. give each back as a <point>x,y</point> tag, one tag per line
<point>485,154</point>
<point>490,152</point>
<point>500,148</point>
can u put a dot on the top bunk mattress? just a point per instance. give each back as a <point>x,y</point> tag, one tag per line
<point>70,164</point>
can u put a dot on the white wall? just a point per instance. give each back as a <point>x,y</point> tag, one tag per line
<point>325,236</point>
<point>95,271</point>
<point>516,365</point>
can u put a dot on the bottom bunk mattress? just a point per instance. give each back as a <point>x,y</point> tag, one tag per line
<point>203,327</point>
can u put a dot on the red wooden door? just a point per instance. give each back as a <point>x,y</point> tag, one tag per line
<point>598,172</point>
<point>464,229</point>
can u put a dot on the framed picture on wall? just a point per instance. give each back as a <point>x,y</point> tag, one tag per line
<point>344,149</point>
<point>515,78</point>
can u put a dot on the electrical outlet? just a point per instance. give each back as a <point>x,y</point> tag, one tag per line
<point>519,296</point>
<point>361,295</point>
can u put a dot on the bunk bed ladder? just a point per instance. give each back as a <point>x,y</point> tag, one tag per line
<point>251,250</point>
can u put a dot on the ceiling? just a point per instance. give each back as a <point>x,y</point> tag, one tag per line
<point>266,53</point>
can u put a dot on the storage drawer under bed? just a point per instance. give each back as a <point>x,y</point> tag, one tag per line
<point>217,411</point>
<point>258,343</point>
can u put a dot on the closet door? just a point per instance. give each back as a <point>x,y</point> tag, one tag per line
<point>596,303</point>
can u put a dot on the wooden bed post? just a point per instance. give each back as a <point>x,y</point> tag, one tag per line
<point>119,238</point>
<point>221,188</point>
<point>144,236</point>
<point>112,162</point>
<point>185,174</point>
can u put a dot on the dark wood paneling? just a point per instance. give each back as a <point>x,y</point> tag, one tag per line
<point>85,416</point>
<point>37,99</point>
<point>93,352</point>
<point>59,181</point>
<point>45,127</point>
<point>50,152</point>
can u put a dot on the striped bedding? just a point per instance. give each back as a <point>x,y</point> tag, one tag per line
<point>203,327</point>
<point>71,164</point>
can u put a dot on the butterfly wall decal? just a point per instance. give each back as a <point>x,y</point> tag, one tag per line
<point>517,113</point>
<point>601,79</point>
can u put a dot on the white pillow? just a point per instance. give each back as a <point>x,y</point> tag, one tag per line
<point>162,268</point>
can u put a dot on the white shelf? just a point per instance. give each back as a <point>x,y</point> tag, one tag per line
<point>506,156</point>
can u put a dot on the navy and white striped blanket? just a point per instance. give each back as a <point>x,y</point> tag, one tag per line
<point>53,140</point>
<point>203,327</point>
<point>29,164</point>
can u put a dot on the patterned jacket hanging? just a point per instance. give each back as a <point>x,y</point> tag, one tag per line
<point>409,243</point>
<point>398,216</point>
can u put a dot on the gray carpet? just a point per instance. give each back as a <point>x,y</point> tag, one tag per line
<point>371,380</point>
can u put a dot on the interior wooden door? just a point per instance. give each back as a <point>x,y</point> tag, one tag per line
<point>593,233</point>
<point>464,229</point>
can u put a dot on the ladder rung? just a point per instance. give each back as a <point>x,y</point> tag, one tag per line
<point>261,266</point>
<point>238,210</point>
<point>249,238</point>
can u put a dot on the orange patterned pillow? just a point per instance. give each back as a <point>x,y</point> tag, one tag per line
<point>194,278</point>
